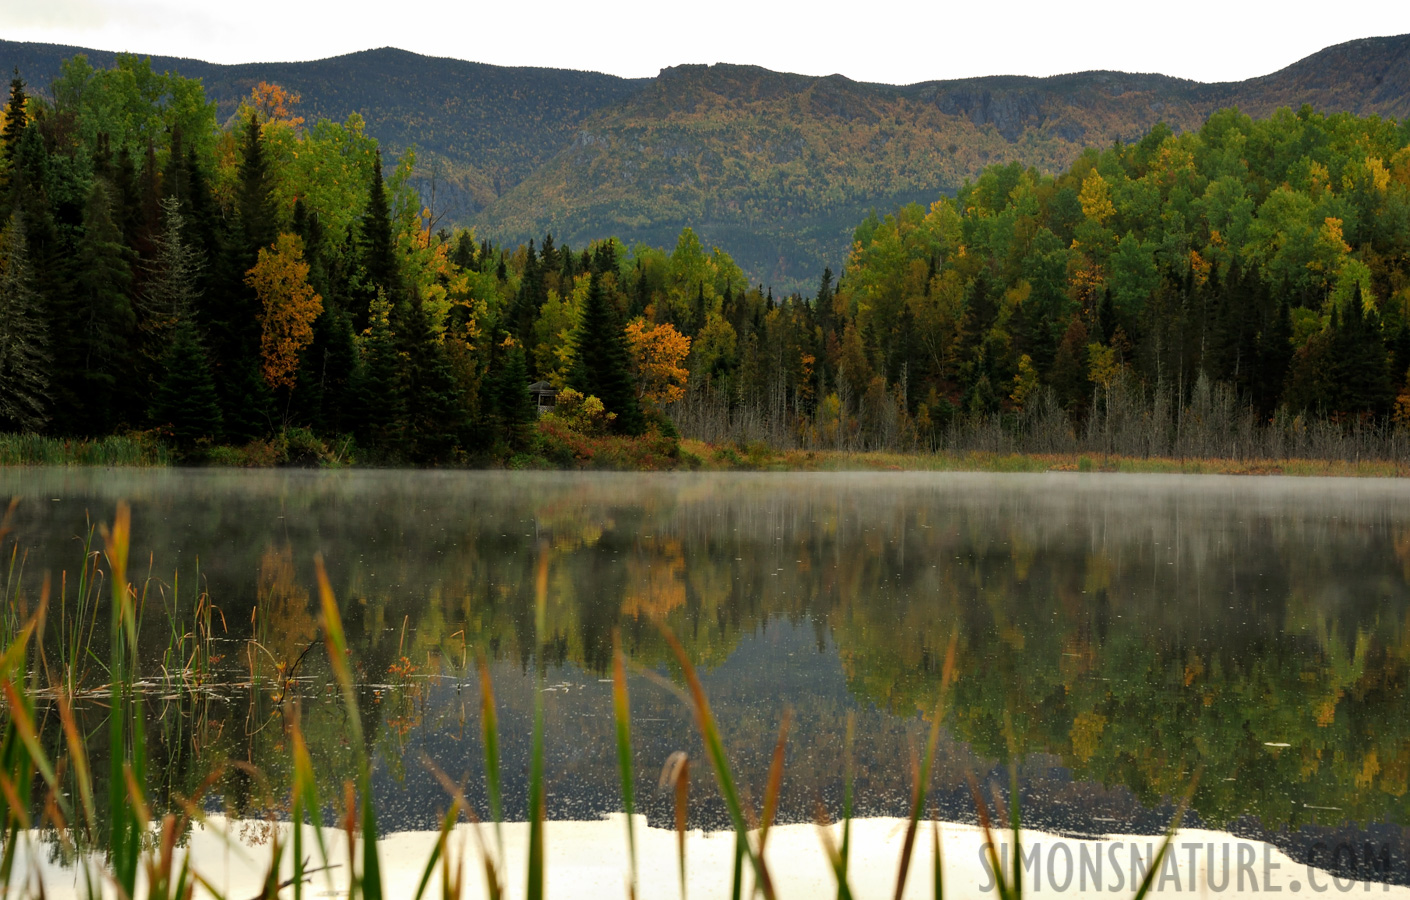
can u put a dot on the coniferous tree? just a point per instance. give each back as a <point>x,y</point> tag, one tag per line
<point>1275,354</point>
<point>172,289</point>
<point>379,259</point>
<point>94,387</point>
<point>24,339</point>
<point>513,407</point>
<point>15,123</point>
<point>431,409</point>
<point>381,425</point>
<point>185,405</point>
<point>246,401</point>
<point>1359,375</point>
<point>601,364</point>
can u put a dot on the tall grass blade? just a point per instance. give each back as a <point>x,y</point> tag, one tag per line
<point>370,880</point>
<point>848,776</point>
<point>622,713</point>
<point>937,862</point>
<point>534,882</point>
<point>447,824</point>
<point>922,775</point>
<point>124,843</point>
<point>305,805</point>
<point>1165,844</point>
<point>489,733</point>
<point>719,761</point>
<point>775,782</point>
<point>991,852</point>
<point>676,775</point>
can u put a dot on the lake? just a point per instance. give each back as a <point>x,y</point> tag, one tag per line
<point>1117,637</point>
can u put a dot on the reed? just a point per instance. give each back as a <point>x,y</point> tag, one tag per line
<point>139,854</point>
<point>114,450</point>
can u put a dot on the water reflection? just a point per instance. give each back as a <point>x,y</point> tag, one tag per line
<point>1132,630</point>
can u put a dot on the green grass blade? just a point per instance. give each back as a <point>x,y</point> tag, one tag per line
<point>719,761</point>
<point>447,823</point>
<point>534,881</point>
<point>1165,844</point>
<point>489,733</point>
<point>918,793</point>
<point>848,774</point>
<point>937,863</point>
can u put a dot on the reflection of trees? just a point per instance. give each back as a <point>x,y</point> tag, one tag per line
<point>1136,637</point>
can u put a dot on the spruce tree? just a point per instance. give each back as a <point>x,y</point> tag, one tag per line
<point>94,389</point>
<point>16,120</point>
<point>514,409</point>
<point>246,401</point>
<point>24,339</point>
<point>381,426</point>
<point>185,405</point>
<point>379,261</point>
<point>431,410</point>
<point>1360,374</point>
<point>1275,352</point>
<point>601,362</point>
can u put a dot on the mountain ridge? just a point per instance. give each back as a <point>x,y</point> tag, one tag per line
<point>775,167</point>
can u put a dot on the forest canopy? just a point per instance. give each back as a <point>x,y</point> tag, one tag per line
<point>227,282</point>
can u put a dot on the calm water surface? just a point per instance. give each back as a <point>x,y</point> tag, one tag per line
<point>1131,630</point>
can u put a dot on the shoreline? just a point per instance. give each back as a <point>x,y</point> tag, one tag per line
<point>651,454</point>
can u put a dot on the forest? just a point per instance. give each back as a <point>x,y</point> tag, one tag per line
<point>266,282</point>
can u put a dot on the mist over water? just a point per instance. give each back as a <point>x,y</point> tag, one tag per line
<point>1133,630</point>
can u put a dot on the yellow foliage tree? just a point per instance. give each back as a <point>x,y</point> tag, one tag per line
<point>1025,383</point>
<point>290,306</point>
<point>1096,198</point>
<point>658,357</point>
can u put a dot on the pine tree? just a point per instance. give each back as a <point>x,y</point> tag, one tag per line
<point>601,364</point>
<point>527,303</point>
<point>1359,372</point>
<point>381,426</point>
<point>172,289</point>
<point>1275,352</point>
<point>94,388</point>
<point>514,407</point>
<point>24,338</point>
<point>246,401</point>
<point>431,410</point>
<point>185,405</point>
<point>254,198</point>
<point>16,121</point>
<point>379,259</point>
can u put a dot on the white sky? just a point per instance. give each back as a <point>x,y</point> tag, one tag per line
<point>895,42</point>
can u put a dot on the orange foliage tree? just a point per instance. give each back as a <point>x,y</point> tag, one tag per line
<point>290,306</point>
<point>273,104</point>
<point>658,355</point>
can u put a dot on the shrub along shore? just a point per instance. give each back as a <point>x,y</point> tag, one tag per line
<point>566,450</point>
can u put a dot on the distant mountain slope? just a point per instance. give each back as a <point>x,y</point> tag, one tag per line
<point>779,168</point>
<point>487,126</point>
<point>776,168</point>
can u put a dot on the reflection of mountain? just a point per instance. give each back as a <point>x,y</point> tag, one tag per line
<point>1133,630</point>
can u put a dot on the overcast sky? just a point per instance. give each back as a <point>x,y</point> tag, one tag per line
<point>898,43</point>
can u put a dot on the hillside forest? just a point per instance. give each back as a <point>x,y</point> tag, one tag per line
<point>270,281</point>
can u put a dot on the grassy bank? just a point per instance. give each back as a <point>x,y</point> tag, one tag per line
<point>561,449</point>
<point>761,457</point>
<point>113,450</point>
